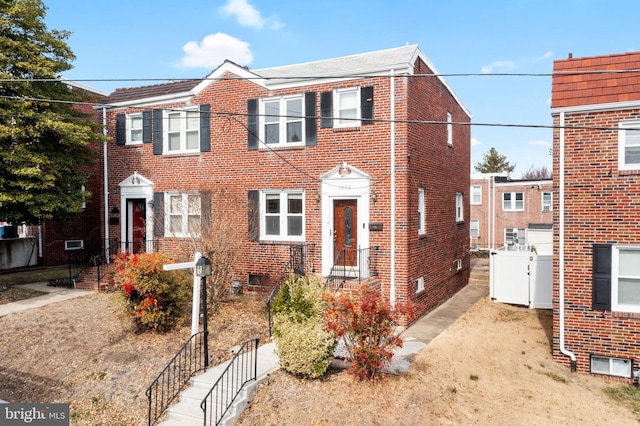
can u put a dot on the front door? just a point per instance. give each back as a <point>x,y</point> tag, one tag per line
<point>136,224</point>
<point>345,232</point>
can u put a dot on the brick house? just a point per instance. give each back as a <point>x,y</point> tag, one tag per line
<point>510,212</point>
<point>355,159</point>
<point>596,170</point>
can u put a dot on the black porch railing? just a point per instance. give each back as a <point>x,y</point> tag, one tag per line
<point>175,376</point>
<point>242,368</point>
<point>352,265</point>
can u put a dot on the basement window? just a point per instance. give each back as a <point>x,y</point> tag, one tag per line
<point>611,366</point>
<point>420,285</point>
<point>73,244</point>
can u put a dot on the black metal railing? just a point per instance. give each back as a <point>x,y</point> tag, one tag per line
<point>352,265</point>
<point>175,376</point>
<point>242,369</point>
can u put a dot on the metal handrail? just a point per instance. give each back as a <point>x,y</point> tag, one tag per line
<point>242,368</point>
<point>343,270</point>
<point>189,360</point>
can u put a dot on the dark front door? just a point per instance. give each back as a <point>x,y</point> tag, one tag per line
<point>137,230</point>
<point>345,232</point>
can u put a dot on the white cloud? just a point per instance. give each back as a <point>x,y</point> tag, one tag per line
<point>498,66</point>
<point>213,50</point>
<point>540,142</point>
<point>249,16</point>
<point>474,142</point>
<point>545,56</point>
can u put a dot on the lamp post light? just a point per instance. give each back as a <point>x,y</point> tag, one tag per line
<point>203,270</point>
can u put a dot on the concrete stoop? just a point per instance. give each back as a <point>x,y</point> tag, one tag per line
<point>188,412</point>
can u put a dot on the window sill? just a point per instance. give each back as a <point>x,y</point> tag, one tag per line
<point>281,147</point>
<point>628,172</point>
<point>346,129</point>
<point>180,154</point>
<point>632,315</point>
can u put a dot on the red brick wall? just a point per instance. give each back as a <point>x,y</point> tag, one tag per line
<point>601,206</point>
<point>443,170</point>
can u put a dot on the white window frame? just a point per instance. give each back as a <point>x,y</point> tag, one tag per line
<point>620,367</point>
<point>283,215</point>
<point>616,305</point>
<point>513,202</point>
<point>459,207</point>
<point>338,108</point>
<point>421,212</point>
<point>476,193</point>
<point>547,206</point>
<point>420,285</point>
<point>281,120</point>
<point>449,129</point>
<point>184,121</point>
<point>188,210</point>
<point>623,143</point>
<point>474,225</point>
<point>131,130</point>
<point>518,232</point>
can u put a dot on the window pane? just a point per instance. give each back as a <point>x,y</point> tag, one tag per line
<point>174,142</point>
<point>632,155</point>
<point>175,203</point>
<point>600,365</point>
<point>174,122</point>
<point>294,132</point>
<point>294,109</point>
<point>193,223</point>
<point>628,291</point>
<point>629,261</point>
<point>193,120</point>
<point>621,367</point>
<point>272,133</point>
<point>348,99</point>
<point>136,135</point>
<point>175,224</point>
<point>294,225</point>
<point>295,203</point>
<point>193,140</point>
<point>273,204</point>
<point>273,225</point>
<point>193,204</point>
<point>272,112</point>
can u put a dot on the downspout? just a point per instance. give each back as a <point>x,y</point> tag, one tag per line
<point>392,108</point>
<point>107,249</point>
<point>563,350</point>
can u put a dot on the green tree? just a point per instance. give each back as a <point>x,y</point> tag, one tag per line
<point>493,162</point>
<point>45,147</point>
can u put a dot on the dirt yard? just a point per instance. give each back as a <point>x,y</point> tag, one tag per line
<point>492,366</point>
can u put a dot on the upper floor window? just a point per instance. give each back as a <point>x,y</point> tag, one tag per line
<point>629,145</point>
<point>183,215</point>
<point>182,131</point>
<point>347,107</point>
<point>513,201</point>
<point>282,215</point>
<point>421,218</point>
<point>449,129</point>
<point>547,201</point>
<point>476,194</point>
<point>283,121</point>
<point>459,211</point>
<point>134,129</point>
<point>625,282</point>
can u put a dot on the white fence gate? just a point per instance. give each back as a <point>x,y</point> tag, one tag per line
<point>521,278</point>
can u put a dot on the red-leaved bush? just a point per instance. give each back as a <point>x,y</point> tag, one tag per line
<point>368,326</point>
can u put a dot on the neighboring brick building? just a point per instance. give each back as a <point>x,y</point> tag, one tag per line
<point>323,155</point>
<point>596,171</point>
<point>510,212</point>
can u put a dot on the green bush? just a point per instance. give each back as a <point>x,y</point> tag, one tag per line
<point>303,344</point>
<point>155,299</point>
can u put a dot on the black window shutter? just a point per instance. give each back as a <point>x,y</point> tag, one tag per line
<point>254,215</point>
<point>146,126</point>
<point>310,120</point>
<point>121,129</point>
<point>205,130</point>
<point>252,123</point>
<point>157,131</point>
<point>205,209</point>
<point>366,104</point>
<point>601,278</point>
<point>326,110</point>
<point>158,214</point>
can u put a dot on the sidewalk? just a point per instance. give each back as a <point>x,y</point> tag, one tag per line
<point>54,294</point>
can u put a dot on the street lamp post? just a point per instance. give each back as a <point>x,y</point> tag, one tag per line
<point>203,270</point>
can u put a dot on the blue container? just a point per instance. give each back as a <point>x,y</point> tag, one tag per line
<point>8,231</point>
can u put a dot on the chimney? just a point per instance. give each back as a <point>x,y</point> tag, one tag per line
<point>570,55</point>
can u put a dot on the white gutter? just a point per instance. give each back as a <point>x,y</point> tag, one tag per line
<point>565,351</point>
<point>392,289</point>
<point>106,187</point>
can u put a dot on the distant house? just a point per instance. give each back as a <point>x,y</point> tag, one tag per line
<point>338,159</point>
<point>507,212</point>
<point>596,173</point>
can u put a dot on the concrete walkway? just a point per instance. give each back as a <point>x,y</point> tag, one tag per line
<point>54,294</point>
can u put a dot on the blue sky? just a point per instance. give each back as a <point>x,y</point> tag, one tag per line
<point>124,42</point>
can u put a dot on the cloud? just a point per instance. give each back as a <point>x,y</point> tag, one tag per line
<point>540,142</point>
<point>249,16</point>
<point>498,66</point>
<point>474,142</point>
<point>547,55</point>
<point>213,50</point>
